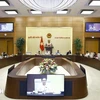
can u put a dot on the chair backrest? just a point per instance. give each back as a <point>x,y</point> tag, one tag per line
<point>11,68</point>
<point>83,69</point>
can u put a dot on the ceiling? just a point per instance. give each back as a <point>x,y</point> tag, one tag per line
<point>74,10</point>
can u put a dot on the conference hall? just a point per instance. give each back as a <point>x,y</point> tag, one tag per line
<point>49,49</point>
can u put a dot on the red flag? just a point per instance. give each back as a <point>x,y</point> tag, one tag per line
<point>41,44</point>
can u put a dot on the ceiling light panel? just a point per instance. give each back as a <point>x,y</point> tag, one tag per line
<point>61,12</point>
<point>11,12</point>
<point>94,3</point>
<point>36,12</point>
<point>4,3</point>
<point>87,12</point>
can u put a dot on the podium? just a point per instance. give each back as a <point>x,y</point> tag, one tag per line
<point>49,48</point>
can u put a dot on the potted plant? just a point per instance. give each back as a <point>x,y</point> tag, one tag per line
<point>19,44</point>
<point>78,45</point>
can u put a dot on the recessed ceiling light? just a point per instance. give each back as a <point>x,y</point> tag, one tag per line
<point>94,3</point>
<point>4,3</point>
<point>61,12</point>
<point>11,12</point>
<point>35,12</point>
<point>87,11</point>
<point>92,37</point>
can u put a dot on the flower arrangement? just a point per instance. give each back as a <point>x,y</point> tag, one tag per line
<point>48,66</point>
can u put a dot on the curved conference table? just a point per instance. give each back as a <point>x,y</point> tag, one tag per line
<point>76,85</point>
<point>95,63</point>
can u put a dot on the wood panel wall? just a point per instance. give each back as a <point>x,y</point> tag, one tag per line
<point>6,45</point>
<point>78,24</point>
<point>88,37</point>
<point>95,45</point>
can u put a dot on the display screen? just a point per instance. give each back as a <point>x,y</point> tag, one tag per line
<point>45,85</point>
<point>6,27</point>
<point>92,27</point>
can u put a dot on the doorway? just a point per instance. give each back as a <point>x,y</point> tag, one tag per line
<point>92,45</point>
<point>6,45</point>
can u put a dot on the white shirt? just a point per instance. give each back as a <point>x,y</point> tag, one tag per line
<point>57,53</point>
<point>47,53</point>
<point>44,89</point>
<point>87,54</point>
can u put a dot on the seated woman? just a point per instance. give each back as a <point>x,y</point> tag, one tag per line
<point>69,52</point>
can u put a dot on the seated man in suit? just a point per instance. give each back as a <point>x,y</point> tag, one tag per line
<point>47,52</point>
<point>48,44</point>
<point>4,54</point>
<point>69,52</point>
<point>38,53</point>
